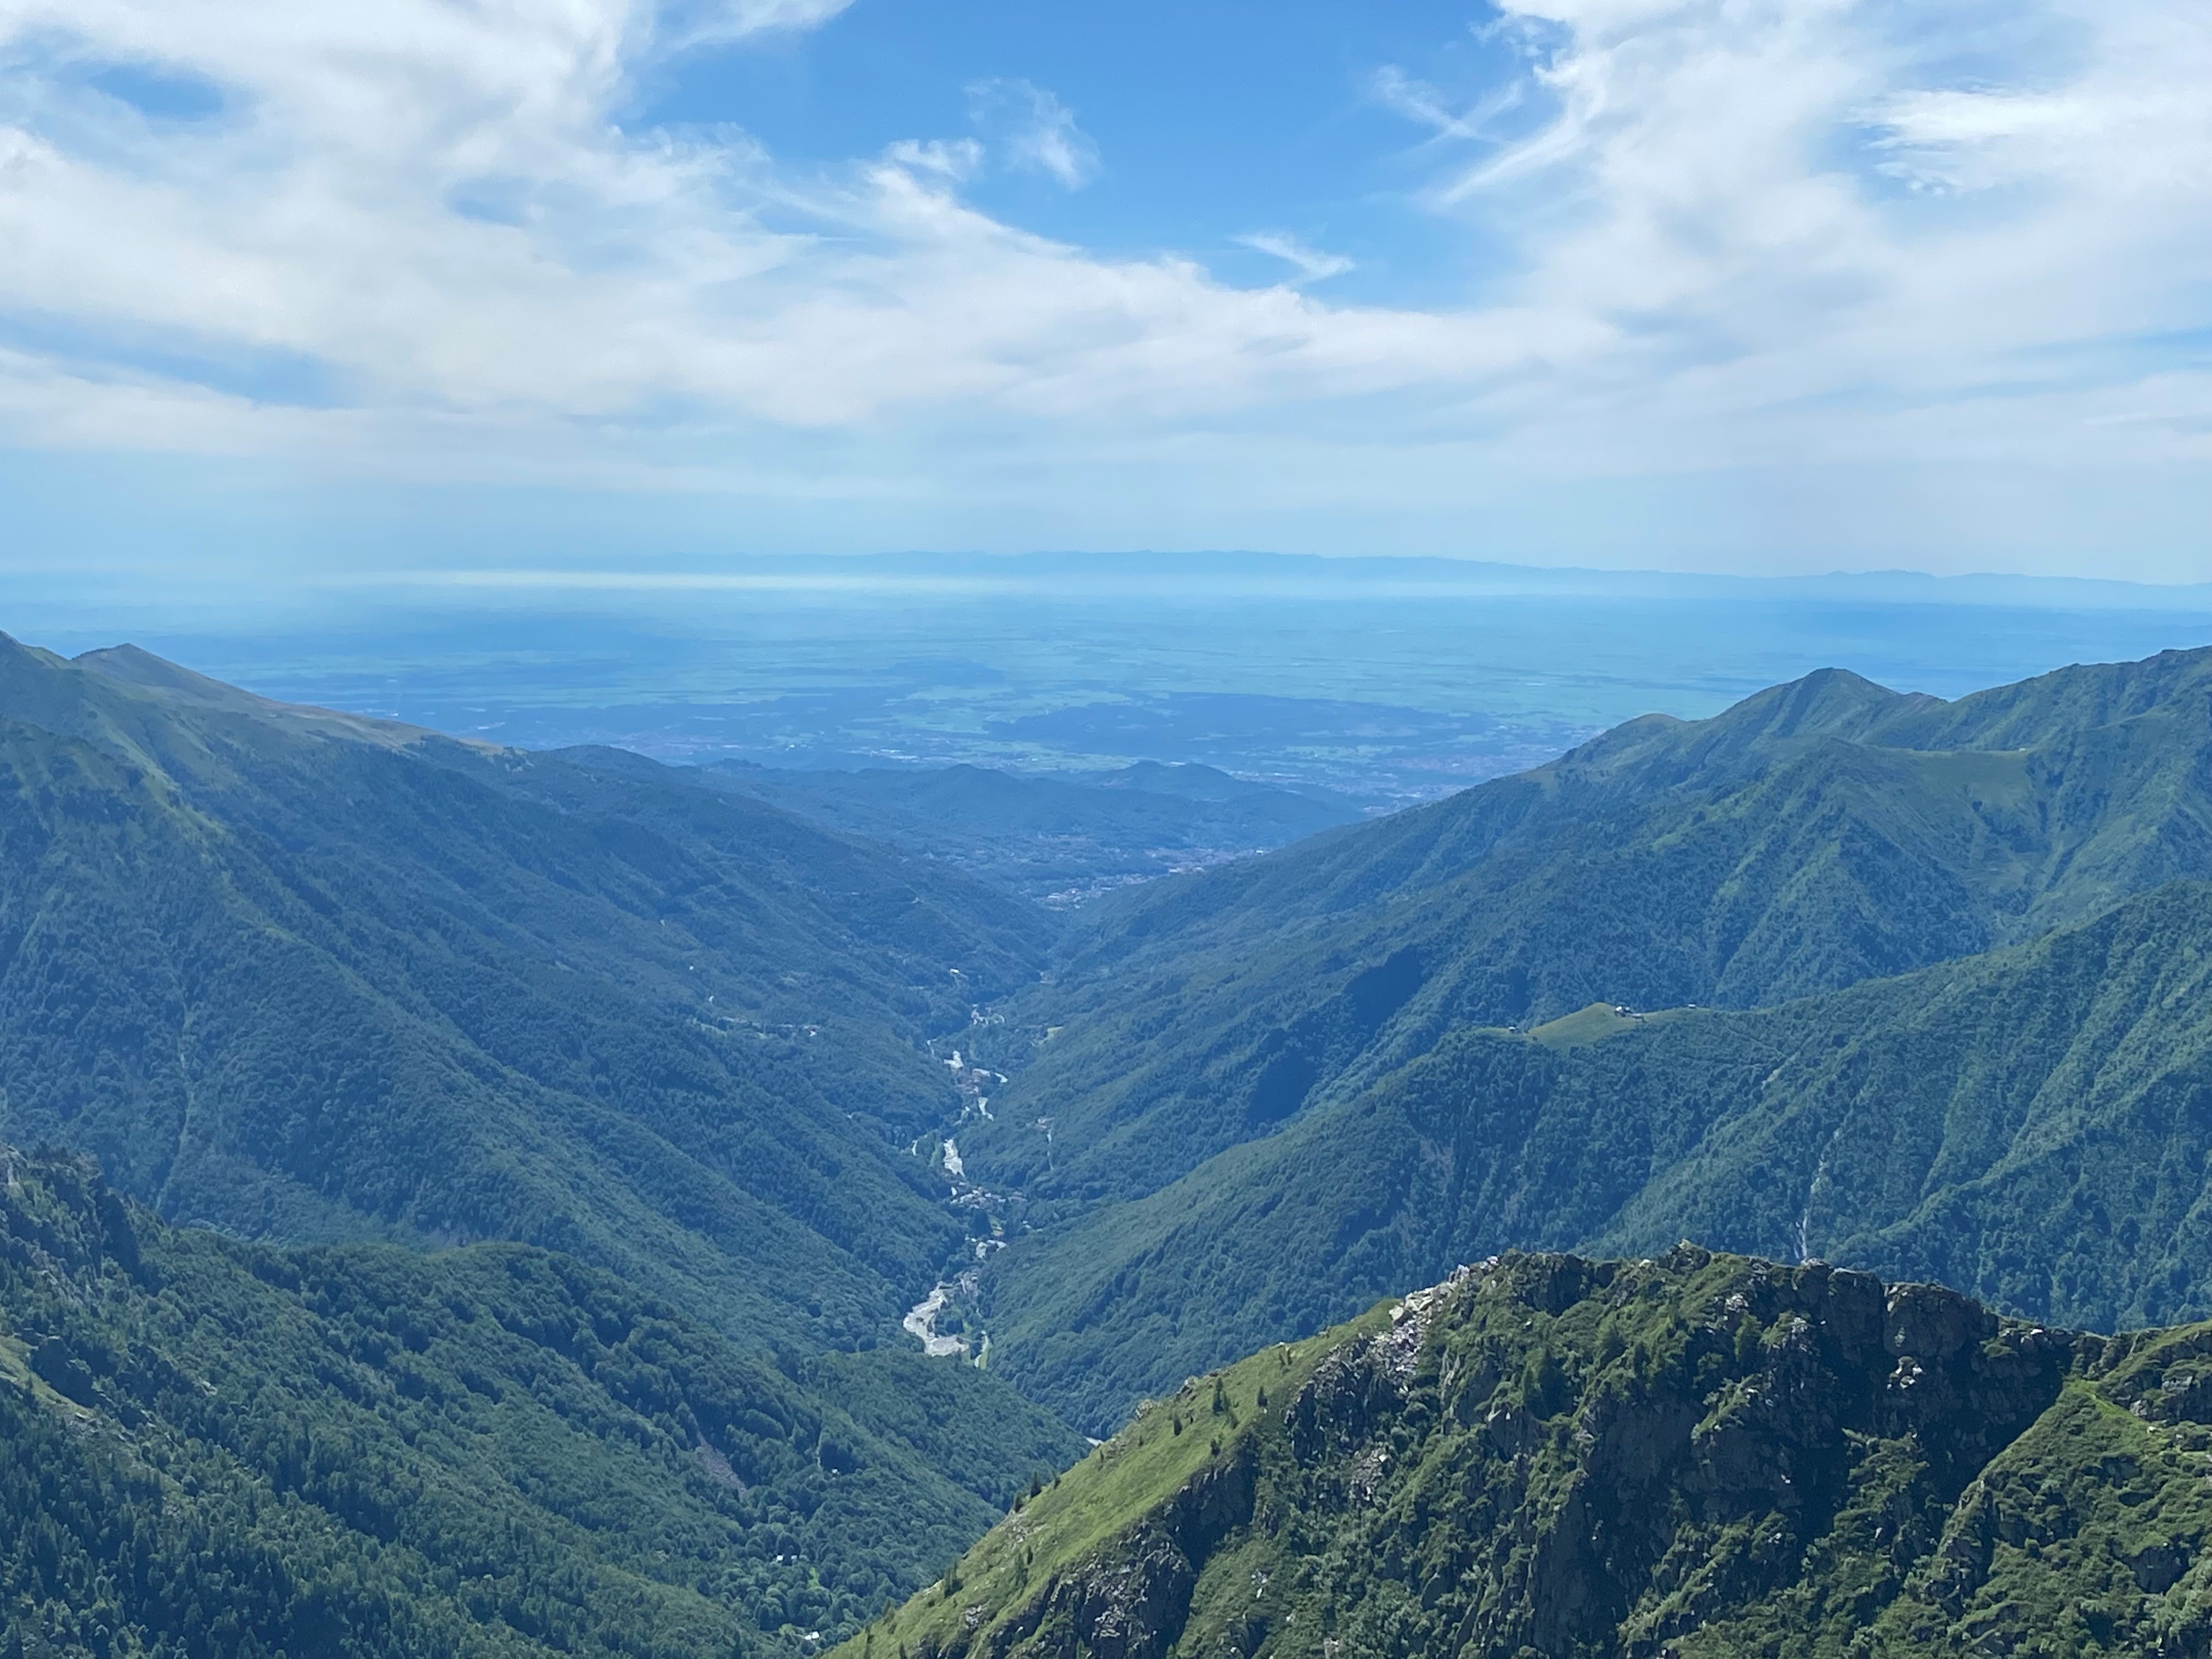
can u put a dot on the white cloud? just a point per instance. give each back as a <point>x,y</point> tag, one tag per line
<point>1718,180</point>
<point>337,219</point>
<point>1311,265</point>
<point>1036,130</point>
<point>1734,233</point>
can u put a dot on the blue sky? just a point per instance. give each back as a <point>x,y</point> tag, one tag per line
<point>319,293</point>
<point>1202,126</point>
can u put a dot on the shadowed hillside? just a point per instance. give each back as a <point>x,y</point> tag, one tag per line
<point>209,1447</point>
<point>304,975</point>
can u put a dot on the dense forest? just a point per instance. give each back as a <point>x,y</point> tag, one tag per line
<point>1277,1090</point>
<point>302,977</point>
<point>1818,834</point>
<point>214,1448</point>
<point>2030,1126</point>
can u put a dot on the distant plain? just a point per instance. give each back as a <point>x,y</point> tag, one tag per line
<point>1389,681</point>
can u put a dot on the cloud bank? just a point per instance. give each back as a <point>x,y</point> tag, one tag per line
<point>416,239</point>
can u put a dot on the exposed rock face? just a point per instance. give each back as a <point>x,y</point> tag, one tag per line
<point>1131,1601</point>
<point>1695,1473</point>
<point>1695,1455</point>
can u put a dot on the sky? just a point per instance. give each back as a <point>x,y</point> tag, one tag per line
<point>308,292</point>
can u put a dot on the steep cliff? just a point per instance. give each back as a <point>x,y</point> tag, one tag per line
<point>1699,1456</point>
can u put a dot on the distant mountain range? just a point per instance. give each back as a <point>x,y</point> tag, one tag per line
<point>1252,572</point>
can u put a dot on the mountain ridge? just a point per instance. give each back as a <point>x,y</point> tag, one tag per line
<point>2030,1125</point>
<point>287,979</point>
<point>1916,986</point>
<point>1742,860</point>
<point>1693,1454</point>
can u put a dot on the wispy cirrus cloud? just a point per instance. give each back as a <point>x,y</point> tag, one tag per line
<point>1035,131</point>
<point>684,25</point>
<point>1311,265</point>
<point>1717,179</point>
<point>1428,107</point>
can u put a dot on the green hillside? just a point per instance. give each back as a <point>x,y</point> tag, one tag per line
<point>216,1448</point>
<point>540,1151</point>
<point>2030,1126</point>
<point>1816,835</point>
<point>299,975</point>
<point>1696,1456</point>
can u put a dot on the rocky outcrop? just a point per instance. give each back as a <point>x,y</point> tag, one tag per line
<point>1550,1455</point>
<point>1131,1601</point>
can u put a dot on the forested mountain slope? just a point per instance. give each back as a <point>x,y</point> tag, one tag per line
<point>2032,1126</point>
<point>212,1448</point>
<point>1817,834</point>
<point>302,976</point>
<point>1696,1456</point>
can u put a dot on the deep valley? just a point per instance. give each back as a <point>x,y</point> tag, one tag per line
<point>474,1200</point>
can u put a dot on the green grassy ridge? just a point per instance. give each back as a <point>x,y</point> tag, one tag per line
<point>1816,835</point>
<point>1692,1454</point>
<point>303,976</point>
<point>216,1448</point>
<point>1168,1444</point>
<point>2030,1125</point>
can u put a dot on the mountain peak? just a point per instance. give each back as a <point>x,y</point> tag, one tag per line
<point>1826,702</point>
<point>135,665</point>
<point>1658,750</point>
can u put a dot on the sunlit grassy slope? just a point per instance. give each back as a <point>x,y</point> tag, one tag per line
<point>1199,1430</point>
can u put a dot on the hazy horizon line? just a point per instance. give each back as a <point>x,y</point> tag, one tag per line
<point>1199,573</point>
